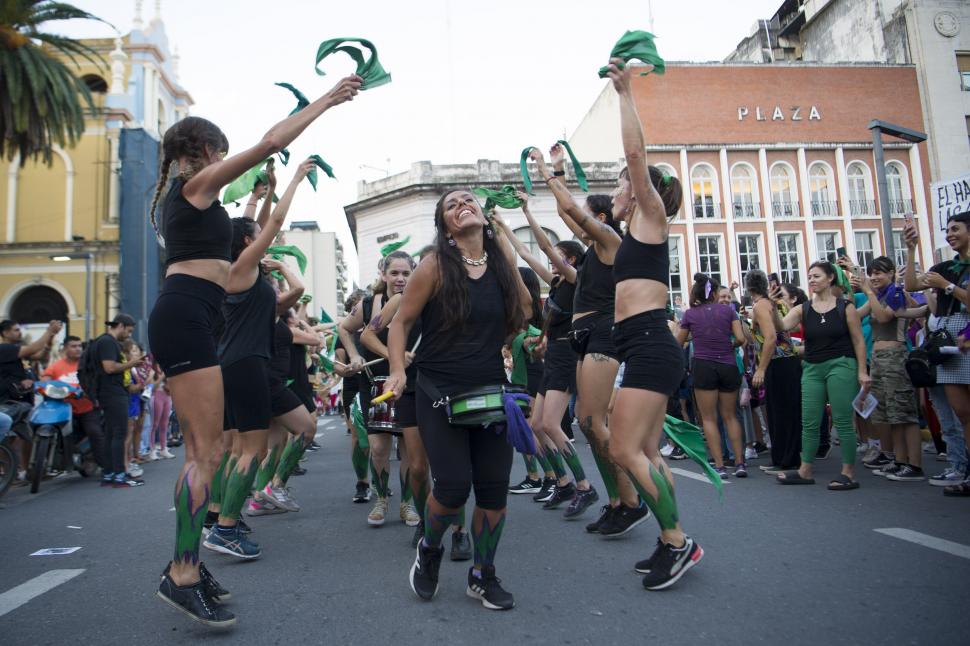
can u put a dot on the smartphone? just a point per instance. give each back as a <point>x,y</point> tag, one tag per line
<point>841,251</point>
<point>773,279</point>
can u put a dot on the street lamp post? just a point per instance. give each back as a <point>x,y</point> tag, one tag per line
<point>88,259</point>
<point>879,128</point>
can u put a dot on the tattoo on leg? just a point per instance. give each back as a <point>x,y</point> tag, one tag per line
<point>419,482</point>
<point>486,536</point>
<point>597,357</point>
<point>268,468</point>
<point>543,462</point>
<point>380,479</point>
<point>360,457</point>
<point>406,493</point>
<point>664,505</point>
<point>435,524</point>
<point>531,464</point>
<point>189,516</point>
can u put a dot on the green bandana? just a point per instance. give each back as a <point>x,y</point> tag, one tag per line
<point>691,440</point>
<point>524,169</point>
<point>276,252</point>
<point>504,197</point>
<point>329,354</point>
<point>391,247</point>
<point>370,69</point>
<point>312,175</point>
<point>301,100</point>
<point>245,183</point>
<point>577,168</point>
<point>842,281</point>
<point>636,45</point>
<point>324,317</point>
<point>519,356</point>
<point>959,266</point>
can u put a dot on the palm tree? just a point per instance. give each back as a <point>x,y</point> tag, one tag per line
<point>40,97</point>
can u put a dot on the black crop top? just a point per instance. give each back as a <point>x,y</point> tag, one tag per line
<point>190,233</point>
<point>635,259</point>
<point>595,288</point>
<point>558,309</point>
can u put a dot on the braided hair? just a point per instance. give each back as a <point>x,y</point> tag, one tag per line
<point>188,140</point>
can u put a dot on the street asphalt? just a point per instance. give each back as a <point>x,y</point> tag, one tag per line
<point>782,565</point>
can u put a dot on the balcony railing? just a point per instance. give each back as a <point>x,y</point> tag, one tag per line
<point>784,210</point>
<point>899,207</point>
<point>824,209</point>
<point>862,208</point>
<point>747,210</point>
<point>707,210</point>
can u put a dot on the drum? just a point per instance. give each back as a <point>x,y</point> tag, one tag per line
<point>483,406</point>
<point>381,417</point>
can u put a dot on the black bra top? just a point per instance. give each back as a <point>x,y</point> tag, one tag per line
<point>190,233</point>
<point>635,259</point>
<point>595,287</point>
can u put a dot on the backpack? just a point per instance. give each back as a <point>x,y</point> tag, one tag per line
<point>88,371</point>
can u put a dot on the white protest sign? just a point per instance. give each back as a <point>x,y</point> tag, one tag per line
<point>949,197</point>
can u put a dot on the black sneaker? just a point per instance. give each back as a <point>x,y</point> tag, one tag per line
<point>461,546</point>
<point>128,481</point>
<point>624,519</point>
<point>878,462</point>
<point>363,493</point>
<point>907,473</point>
<point>418,534</point>
<point>678,454</point>
<point>313,446</point>
<point>605,512</point>
<point>823,452</point>
<point>888,470</point>
<point>527,486</point>
<point>760,448</point>
<point>671,563</point>
<point>424,571</point>
<point>298,471</point>
<point>581,502</point>
<point>195,601</point>
<point>646,565</point>
<point>212,587</point>
<point>488,589</point>
<point>560,495</point>
<point>545,492</point>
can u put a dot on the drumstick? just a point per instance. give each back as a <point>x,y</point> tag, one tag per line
<point>369,363</point>
<point>416,344</point>
<point>383,398</point>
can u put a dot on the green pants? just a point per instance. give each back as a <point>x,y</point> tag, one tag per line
<point>834,382</point>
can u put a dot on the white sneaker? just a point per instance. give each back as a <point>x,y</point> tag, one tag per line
<point>135,470</point>
<point>948,477</point>
<point>409,514</point>
<point>750,453</point>
<point>667,450</point>
<point>378,514</point>
<point>153,455</point>
<point>165,453</point>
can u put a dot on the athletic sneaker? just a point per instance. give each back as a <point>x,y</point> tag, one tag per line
<point>135,470</point>
<point>424,572</point>
<point>888,470</point>
<point>644,566</point>
<point>723,472</point>
<point>409,514</point>
<point>741,471</point>
<point>879,461</point>
<point>605,513</point>
<point>948,477</point>
<point>126,481</point>
<point>279,497</point>
<point>671,564</point>
<point>363,493</point>
<point>232,543</point>
<point>750,453</point>
<point>666,450</point>
<point>678,454</point>
<point>313,446</point>
<point>262,508</point>
<point>907,473</point>
<point>487,588</point>
<point>215,591</point>
<point>165,453</point>
<point>378,514</point>
<point>624,519</point>
<point>560,495</point>
<point>545,492</point>
<point>195,601</point>
<point>581,502</point>
<point>527,486</point>
<point>461,546</point>
<point>243,527</point>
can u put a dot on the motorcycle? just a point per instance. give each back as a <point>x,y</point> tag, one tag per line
<point>50,423</point>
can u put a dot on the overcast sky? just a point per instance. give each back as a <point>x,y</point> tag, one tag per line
<point>471,80</point>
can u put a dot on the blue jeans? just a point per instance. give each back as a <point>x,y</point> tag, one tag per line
<point>952,430</point>
<point>5,423</point>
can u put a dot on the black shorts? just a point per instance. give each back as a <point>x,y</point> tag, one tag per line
<point>714,375</point>
<point>245,385</point>
<point>654,360</point>
<point>406,410</point>
<point>560,368</point>
<point>591,335</point>
<point>534,372</point>
<point>348,393</point>
<point>283,400</point>
<point>182,325</point>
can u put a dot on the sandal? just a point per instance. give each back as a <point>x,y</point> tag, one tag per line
<point>962,489</point>
<point>793,478</point>
<point>843,483</point>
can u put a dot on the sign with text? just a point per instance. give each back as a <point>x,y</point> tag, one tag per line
<point>949,197</point>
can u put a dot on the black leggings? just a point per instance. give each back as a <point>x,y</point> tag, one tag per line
<point>115,412</point>
<point>462,457</point>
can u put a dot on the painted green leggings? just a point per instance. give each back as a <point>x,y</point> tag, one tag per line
<point>834,382</point>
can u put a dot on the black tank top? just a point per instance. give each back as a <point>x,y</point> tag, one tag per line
<point>459,360</point>
<point>635,259</point>
<point>279,365</point>
<point>558,309</point>
<point>381,369</point>
<point>828,340</point>
<point>595,288</point>
<point>190,233</point>
<point>249,317</point>
<point>298,371</point>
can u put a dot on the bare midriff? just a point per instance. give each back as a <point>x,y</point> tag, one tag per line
<point>637,295</point>
<point>210,269</point>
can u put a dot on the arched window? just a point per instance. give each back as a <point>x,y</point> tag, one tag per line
<point>822,191</point>
<point>98,88</point>
<point>783,203</point>
<point>527,238</point>
<point>858,177</point>
<point>897,187</point>
<point>743,192</point>
<point>40,304</point>
<point>705,192</point>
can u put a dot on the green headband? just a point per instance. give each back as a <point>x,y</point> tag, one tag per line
<point>369,69</point>
<point>577,168</point>
<point>312,175</point>
<point>636,45</point>
<point>504,197</point>
<point>391,247</point>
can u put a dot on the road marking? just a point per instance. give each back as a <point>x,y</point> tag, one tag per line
<point>932,542</point>
<point>73,527</point>
<point>16,597</point>
<point>692,475</point>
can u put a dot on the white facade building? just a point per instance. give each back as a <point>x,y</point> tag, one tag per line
<point>326,272</point>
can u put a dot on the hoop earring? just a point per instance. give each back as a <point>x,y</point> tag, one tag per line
<point>489,232</point>
<point>452,243</point>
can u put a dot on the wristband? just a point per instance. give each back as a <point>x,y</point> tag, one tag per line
<point>559,173</point>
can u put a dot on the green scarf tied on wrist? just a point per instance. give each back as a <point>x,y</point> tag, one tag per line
<point>245,183</point>
<point>691,441</point>
<point>520,374</point>
<point>577,168</point>
<point>504,197</point>
<point>276,252</point>
<point>637,45</point>
<point>391,247</point>
<point>369,69</point>
<point>312,175</point>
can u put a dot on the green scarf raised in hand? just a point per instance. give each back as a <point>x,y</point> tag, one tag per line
<point>312,175</point>
<point>276,252</point>
<point>369,69</point>
<point>245,183</point>
<point>637,45</point>
<point>504,197</point>
<point>391,247</point>
<point>524,169</point>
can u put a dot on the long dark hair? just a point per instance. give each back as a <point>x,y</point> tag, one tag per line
<point>795,292</point>
<point>571,249</point>
<point>453,279</point>
<point>531,280</point>
<point>669,189</point>
<point>242,227</point>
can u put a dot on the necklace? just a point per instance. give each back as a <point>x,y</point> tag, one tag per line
<point>822,314</point>
<point>475,263</point>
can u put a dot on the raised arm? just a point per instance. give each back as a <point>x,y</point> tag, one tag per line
<point>294,291</point>
<point>41,342</point>
<point>539,267</point>
<point>877,310</point>
<point>910,280</point>
<point>567,271</point>
<point>203,188</point>
<point>269,191</point>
